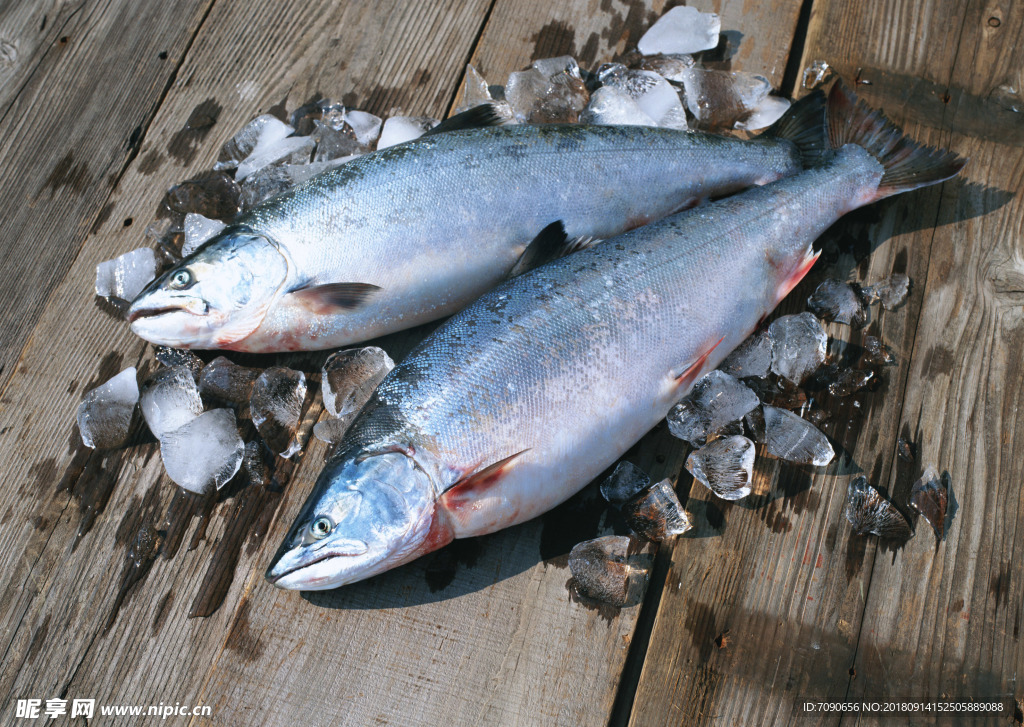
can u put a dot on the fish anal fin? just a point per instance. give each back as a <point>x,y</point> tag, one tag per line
<point>550,244</point>
<point>334,297</point>
<point>685,378</point>
<point>471,487</point>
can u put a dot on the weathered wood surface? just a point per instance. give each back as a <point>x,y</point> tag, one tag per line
<point>484,632</point>
<point>811,613</point>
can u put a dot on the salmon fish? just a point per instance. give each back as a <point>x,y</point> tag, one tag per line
<point>415,232</point>
<point>524,397</point>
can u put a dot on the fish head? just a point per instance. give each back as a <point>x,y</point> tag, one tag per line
<point>367,514</point>
<point>214,297</point>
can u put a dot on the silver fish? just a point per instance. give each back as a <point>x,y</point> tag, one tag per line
<point>415,232</point>
<point>520,400</point>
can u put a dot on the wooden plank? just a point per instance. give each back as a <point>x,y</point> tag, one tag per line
<point>786,583</point>
<point>72,118</point>
<point>942,621</point>
<point>55,599</point>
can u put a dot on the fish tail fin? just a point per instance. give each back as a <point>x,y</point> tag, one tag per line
<point>908,165</point>
<point>804,125</point>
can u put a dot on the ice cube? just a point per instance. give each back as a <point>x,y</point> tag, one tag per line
<point>837,301</point>
<point>170,399</point>
<point>290,150</point>
<point>778,392</point>
<point>474,90</point>
<point>869,512</point>
<point>349,377</point>
<point>766,113</point>
<point>332,430</point>
<point>278,178</point>
<point>656,513</point>
<point>125,276</point>
<point>625,482</point>
<point>253,464</point>
<point>222,379</point>
<point>876,353</point>
<point>722,99</point>
<point>930,497</point>
<point>850,382</point>
<point>537,98</point>
<point>106,411</point>
<point>654,96</point>
<point>681,30</point>
<point>204,453</point>
<point>334,143</point>
<point>891,292</point>
<point>602,569</point>
<point>904,450</point>
<point>365,126</point>
<point>198,229</point>
<point>669,67</point>
<point>276,407</point>
<point>715,401</point>
<point>800,344</point>
<point>725,466</point>
<point>179,357</point>
<point>788,437</point>
<point>611,106</point>
<point>266,130</point>
<point>304,118</point>
<point>816,74</point>
<point>213,194</point>
<point>752,358</point>
<point>400,129</point>
<point>551,67</point>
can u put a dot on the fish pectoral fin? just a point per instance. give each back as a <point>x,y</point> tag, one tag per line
<point>472,486</point>
<point>334,297</point>
<point>475,118</point>
<point>688,373</point>
<point>550,244</point>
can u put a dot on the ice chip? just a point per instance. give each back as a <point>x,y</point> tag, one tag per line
<point>752,358</point>
<point>253,464</point>
<point>198,229</point>
<point>816,74</point>
<point>304,118</point>
<point>725,466</point>
<point>891,292</point>
<point>610,106</point>
<point>205,453</point>
<point>723,99</point>
<point>669,67</point>
<point>869,512</point>
<point>168,356</point>
<point>930,497</point>
<point>625,482</point>
<point>837,301</point>
<point>603,569</point>
<point>127,275</point>
<point>349,377</point>
<point>106,411</point>
<point>715,401</point>
<point>656,513</point>
<point>778,392</point>
<point>788,437</point>
<point>800,345</point>
<point>474,91</point>
<point>170,399</point>
<point>400,129</point>
<point>332,430</point>
<point>850,382</point>
<point>876,353</point>
<point>213,195</point>
<point>365,126</point>
<point>334,143</point>
<point>222,379</point>
<point>266,130</point>
<point>290,150</point>
<point>555,66</point>
<point>278,178</point>
<point>653,95</point>
<point>904,450</point>
<point>766,113</point>
<point>681,30</point>
<point>276,407</point>
<point>536,98</point>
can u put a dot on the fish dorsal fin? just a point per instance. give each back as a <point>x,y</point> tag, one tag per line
<point>550,244</point>
<point>334,297</point>
<point>473,485</point>
<point>475,118</point>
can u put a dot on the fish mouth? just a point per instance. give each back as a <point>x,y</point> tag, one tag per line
<point>273,577</point>
<point>350,549</point>
<point>135,315</point>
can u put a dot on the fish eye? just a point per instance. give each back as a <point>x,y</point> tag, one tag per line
<point>321,528</point>
<point>181,279</point>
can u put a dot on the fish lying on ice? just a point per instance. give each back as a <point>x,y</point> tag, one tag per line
<point>521,399</point>
<point>415,232</point>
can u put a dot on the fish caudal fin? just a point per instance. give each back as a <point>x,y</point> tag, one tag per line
<point>805,127</point>
<point>908,165</point>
